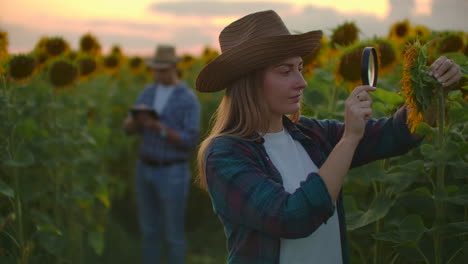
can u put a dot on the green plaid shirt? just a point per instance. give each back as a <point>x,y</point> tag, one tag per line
<point>247,193</point>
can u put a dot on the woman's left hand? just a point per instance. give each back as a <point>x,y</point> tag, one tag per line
<point>446,71</point>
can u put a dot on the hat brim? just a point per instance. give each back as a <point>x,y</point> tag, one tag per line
<point>253,55</point>
<point>161,65</point>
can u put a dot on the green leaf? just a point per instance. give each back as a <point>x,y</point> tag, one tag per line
<point>6,190</point>
<point>96,240</point>
<point>23,158</point>
<point>452,229</point>
<point>377,210</point>
<point>387,97</point>
<point>49,228</point>
<point>455,95</point>
<point>410,230</point>
<point>424,129</point>
<point>52,242</point>
<point>26,129</point>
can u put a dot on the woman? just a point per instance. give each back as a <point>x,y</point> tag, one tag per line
<point>275,177</point>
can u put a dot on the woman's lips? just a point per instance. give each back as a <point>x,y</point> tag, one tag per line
<point>295,98</point>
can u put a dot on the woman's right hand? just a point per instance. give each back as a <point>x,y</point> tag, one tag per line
<point>358,111</point>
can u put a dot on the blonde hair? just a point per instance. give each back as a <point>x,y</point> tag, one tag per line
<point>241,113</point>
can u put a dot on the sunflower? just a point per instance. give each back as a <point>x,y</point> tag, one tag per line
<point>87,66</point>
<point>3,50</point>
<point>209,54</point>
<point>186,62</point>
<point>21,67</point>
<point>62,73</point>
<point>111,63</point>
<point>41,45</point>
<point>117,51</point>
<point>345,35</point>
<point>416,84</point>
<point>421,32</point>
<point>89,45</point>
<point>451,42</point>
<point>387,54</point>
<point>349,66</point>
<point>400,31</point>
<point>56,46</point>
<point>136,65</point>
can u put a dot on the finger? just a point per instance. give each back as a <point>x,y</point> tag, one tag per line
<point>359,89</point>
<point>450,73</point>
<point>365,112</point>
<point>437,64</point>
<point>364,96</point>
<point>443,68</point>
<point>364,104</point>
<point>453,80</point>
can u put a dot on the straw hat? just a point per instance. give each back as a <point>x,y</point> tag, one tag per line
<point>164,57</point>
<point>253,42</point>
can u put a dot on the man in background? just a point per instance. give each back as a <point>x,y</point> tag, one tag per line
<point>167,138</point>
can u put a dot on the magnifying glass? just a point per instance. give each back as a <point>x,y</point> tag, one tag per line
<point>369,67</point>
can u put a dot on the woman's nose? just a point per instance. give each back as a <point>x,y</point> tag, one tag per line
<point>300,81</point>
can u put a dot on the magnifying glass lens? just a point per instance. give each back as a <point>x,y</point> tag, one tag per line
<point>369,67</point>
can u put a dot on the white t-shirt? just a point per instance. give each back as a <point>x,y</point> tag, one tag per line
<point>294,164</point>
<point>161,97</point>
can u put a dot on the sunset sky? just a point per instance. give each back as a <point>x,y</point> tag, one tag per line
<point>139,25</point>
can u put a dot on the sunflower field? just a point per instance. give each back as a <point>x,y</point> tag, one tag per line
<point>67,168</point>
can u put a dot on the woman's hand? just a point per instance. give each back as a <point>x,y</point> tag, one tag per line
<point>358,111</point>
<point>446,71</point>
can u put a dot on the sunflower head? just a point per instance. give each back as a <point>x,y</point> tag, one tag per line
<point>186,62</point>
<point>400,31</point>
<point>416,84</point>
<point>135,62</point>
<point>209,54</point>
<point>72,55</point>
<point>451,42</point>
<point>87,66</point>
<point>345,35</point>
<point>136,65</point>
<point>117,51</point>
<point>421,32</point>
<point>21,67</point>
<point>89,45</point>
<point>387,54</point>
<point>62,73</point>
<point>349,68</point>
<point>111,63</point>
<point>3,45</point>
<point>56,46</point>
<point>42,58</point>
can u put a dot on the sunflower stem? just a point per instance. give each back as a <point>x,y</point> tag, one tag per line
<point>440,176</point>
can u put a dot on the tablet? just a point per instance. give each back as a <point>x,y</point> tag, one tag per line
<point>135,111</point>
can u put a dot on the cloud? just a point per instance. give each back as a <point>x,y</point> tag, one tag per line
<point>214,8</point>
<point>124,24</point>
<point>326,19</point>
<point>25,38</point>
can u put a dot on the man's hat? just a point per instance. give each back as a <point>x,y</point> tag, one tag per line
<point>253,42</point>
<point>164,57</point>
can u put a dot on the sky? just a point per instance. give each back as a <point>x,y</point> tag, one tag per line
<point>139,25</point>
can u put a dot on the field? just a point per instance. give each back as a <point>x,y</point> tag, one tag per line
<point>67,168</point>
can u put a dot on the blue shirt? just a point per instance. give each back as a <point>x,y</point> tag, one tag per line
<point>181,114</point>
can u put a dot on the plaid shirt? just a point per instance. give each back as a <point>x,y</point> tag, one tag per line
<point>247,192</point>
<point>181,113</point>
